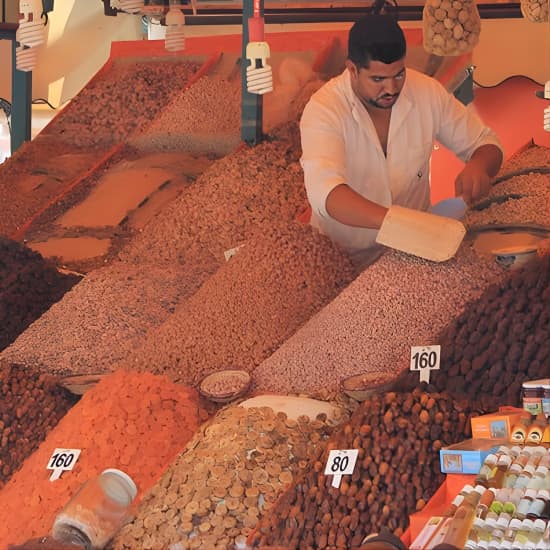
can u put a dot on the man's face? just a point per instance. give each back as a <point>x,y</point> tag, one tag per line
<point>380,84</point>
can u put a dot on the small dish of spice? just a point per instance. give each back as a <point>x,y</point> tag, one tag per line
<point>225,386</point>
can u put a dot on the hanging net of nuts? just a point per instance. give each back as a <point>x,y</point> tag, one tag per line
<point>535,10</point>
<point>450,27</point>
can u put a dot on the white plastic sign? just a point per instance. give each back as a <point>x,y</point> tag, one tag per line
<point>61,460</point>
<point>425,359</point>
<point>228,254</point>
<point>339,463</point>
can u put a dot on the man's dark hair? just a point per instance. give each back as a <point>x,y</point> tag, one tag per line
<point>376,37</point>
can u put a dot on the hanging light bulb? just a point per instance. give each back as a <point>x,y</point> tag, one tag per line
<point>31,31</point>
<point>175,29</point>
<point>131,6</point>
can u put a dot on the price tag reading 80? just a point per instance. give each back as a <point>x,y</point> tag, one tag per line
<point>61,460</point>
<point>424,359</point>
<point>341,463</point>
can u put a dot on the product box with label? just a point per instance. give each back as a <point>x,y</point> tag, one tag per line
<point>467,456</point>
<point>498,425</point>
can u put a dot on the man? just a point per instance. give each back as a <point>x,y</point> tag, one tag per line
<point>367,137</point>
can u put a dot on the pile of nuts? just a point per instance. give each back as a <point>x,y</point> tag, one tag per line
<point>29,285</point>
<point>451,27</point>
<point>230,476</point>
<point>398,436</point>
<point>535,10</point>
<point>31,404</point>
<point>499,341</point>
<point>249,307</point>
<point>124,97</point>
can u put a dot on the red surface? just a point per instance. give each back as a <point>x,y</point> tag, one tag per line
<point>513,111</point>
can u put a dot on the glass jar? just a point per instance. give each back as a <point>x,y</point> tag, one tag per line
<point>535,11</point>
<point>450,27</point>
<point>97,511</point>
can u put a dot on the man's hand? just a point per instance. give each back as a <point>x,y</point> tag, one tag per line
<point>472,183</point>
<point>477,176</point>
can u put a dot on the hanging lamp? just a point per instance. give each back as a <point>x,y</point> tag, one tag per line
<point>131,6</point>
<point>175,28</point>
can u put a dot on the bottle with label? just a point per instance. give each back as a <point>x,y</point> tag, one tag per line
<point>477,533</point>
<point>496,479</point>
<point>485,502</point>
<point>523,479</point>
<point>522,534</point>
<point>511,504</point>
<point>512,474</point>
<point>545,460</point>
<point>525,503</point>
<point>456,502</point>
<point>538,481</point>
<point>546,398</point>
<point>532,394</point>
<point>537,532</point>
<point>501,496</point>
<point>537,453</point>
<point>513,528</point>
<point>537,507</point>
<point>462,521</point>
<point>486,469</point>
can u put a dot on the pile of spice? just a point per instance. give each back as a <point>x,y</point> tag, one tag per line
<point>137,423</point>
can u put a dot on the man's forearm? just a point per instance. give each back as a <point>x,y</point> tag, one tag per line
<point>489,157</point>
<point>348,207</point>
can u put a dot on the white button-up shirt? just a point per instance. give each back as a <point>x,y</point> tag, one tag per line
<point>340,145</point>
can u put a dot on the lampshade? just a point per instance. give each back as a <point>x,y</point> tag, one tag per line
<point>175,30</point>
<point>131,6</point>
<point>25,58</point>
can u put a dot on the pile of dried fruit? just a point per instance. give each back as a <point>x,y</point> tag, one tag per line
<point>397,470</point>
<point>29,285</point>
<point>123,97</point>
<point>135,422</point>
<point>31,404</point>
<point>499,340</point>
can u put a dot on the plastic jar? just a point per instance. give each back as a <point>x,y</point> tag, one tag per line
<point>546,397</point>
<point>450,27</point>
<point>532,394</point>
<point>97,511</point>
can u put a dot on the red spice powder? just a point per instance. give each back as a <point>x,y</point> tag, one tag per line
<point>135,422</point>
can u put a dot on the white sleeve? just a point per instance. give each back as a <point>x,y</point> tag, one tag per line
<point>461,129</point>
<point>323,154</point>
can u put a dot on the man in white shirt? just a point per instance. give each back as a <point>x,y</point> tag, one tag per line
<point>367,137</point>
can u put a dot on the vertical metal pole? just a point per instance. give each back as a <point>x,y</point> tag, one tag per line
<point>21,102</point>
<point>251,104</point>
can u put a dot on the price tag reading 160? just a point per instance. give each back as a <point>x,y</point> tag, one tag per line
<point>339,463</point>
<point>61,460</point>
<point>424,359</point>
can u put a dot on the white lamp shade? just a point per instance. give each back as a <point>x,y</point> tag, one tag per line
<point>25,58</point>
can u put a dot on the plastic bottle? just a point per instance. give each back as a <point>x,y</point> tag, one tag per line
<point>97,511</point>
<point>476,534</point>
<point>511,504</point>
<point>456,502</point>
<point>512,474</point>
<point>538,480</point>
<point>536,455</point>
<point>537,507</point>
<point>486,469</point>
<point>496,479</point>
<point>513,528</point>
<point>522,534</point>
<point>525,476</point>
<point>501,496</point>
<point>463,519</point>
<point>525,503</point>
<point>485,502</point>
<point>535,536</point>
<point>523,457</point>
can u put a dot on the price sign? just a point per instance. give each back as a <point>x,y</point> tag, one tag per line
<point>425,359</point>
<point>340,463</point>
<point>228,254</point>
<point>61,460</point>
